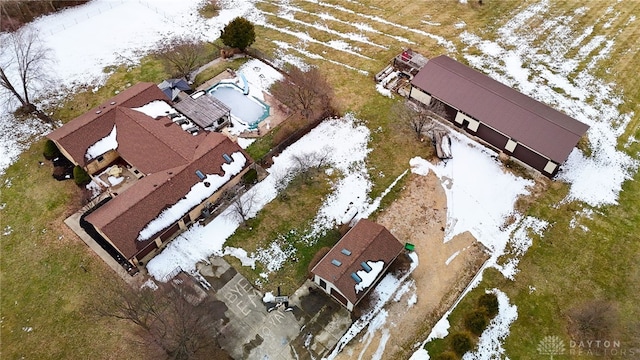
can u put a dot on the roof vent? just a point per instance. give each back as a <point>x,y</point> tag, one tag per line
<point>356,278</point>
<point>98,111</point>
<point>200,175</point>
<point>366,266</point>
<point>345,252</point>
<point>113,103</point>
<point>336,262</point>
<point>227,158</point>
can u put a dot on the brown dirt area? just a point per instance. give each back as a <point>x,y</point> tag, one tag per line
<point>418,216</point>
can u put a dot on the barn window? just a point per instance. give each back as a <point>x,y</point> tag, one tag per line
<point>511,145</point>
<point>551,167</point>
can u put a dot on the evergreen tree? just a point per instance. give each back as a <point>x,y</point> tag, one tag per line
<point>239,33</point>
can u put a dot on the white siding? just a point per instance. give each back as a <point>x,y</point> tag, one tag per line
<point>420,95</point>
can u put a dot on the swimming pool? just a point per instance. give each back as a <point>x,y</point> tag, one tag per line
<point>244,107</point>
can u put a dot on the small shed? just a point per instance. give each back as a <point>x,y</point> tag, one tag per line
<point>204,110</point>
<point>356,263</point>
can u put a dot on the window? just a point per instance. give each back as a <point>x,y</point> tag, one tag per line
<point>345,252</point>
<point>323,284</point>
<point>100,158</point>
<point>227,158</point>
<point>366,266</point>
<point>200,175</point>
<point>336,262</point>
<point>356,278</point>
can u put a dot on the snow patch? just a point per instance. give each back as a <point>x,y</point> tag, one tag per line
<point>103,145</point>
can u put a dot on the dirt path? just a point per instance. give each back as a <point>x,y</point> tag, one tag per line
<point>419,217</point>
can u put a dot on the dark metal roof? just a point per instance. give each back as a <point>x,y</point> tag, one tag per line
<point>530,122</point>
<point>204,110</point>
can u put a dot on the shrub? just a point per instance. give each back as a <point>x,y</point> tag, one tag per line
<point>239,33</point>
<point>447,355</point>
<point>489,302</point>
<point>250,177</point>
<point>461,343</point>
<point>80,176</point>
<point>476,321</point>
<point>50,150</point>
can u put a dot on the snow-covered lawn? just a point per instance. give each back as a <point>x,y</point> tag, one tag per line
<point>345,144</point>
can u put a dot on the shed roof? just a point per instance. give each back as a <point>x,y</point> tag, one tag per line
<point>204,110</point>
<point>366,241</point>
<point>528,121</point>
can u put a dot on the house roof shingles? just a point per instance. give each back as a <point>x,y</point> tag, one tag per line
<point>367,241</point>
<point>167,155</point>
<point>530,122</point>
<point>122,218</point>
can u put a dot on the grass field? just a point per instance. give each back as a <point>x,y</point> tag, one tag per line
<point>45,288</point>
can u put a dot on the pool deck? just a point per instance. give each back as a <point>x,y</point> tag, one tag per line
<point>278,111</point>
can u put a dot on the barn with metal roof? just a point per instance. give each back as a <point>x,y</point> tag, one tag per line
<point>501,117</point>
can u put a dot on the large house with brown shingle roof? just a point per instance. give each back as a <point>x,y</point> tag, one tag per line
<point>357,262</point>
<point>501,117</point>
<point>159,177</point>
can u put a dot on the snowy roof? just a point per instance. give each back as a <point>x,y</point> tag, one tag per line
<point>158,200</point>
<point>149,145</point>
<point>520,117</point>
<point>368,243</point>
<point>134,123</point>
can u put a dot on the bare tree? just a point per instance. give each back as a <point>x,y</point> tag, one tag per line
<point>307,92</point>
<point>594,319</point>
<point>25,64</point>
<point>171,325</point>
<point>181,56</point>
<point>418,118</point>
<point>240,203</point>
<point>307,164</point>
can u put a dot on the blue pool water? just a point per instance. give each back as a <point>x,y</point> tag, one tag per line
<point>248,109</point>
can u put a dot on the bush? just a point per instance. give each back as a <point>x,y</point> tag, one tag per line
<point>461,343</point>
<point>489,302</point>
<point>447,355</point>
<point>80,176</point>
<point>50,150</point>
<point>476,321</point>
<point>250,177</point>
<point>239,33</point>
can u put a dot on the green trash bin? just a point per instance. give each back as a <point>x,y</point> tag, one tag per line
<point>409,246</point>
